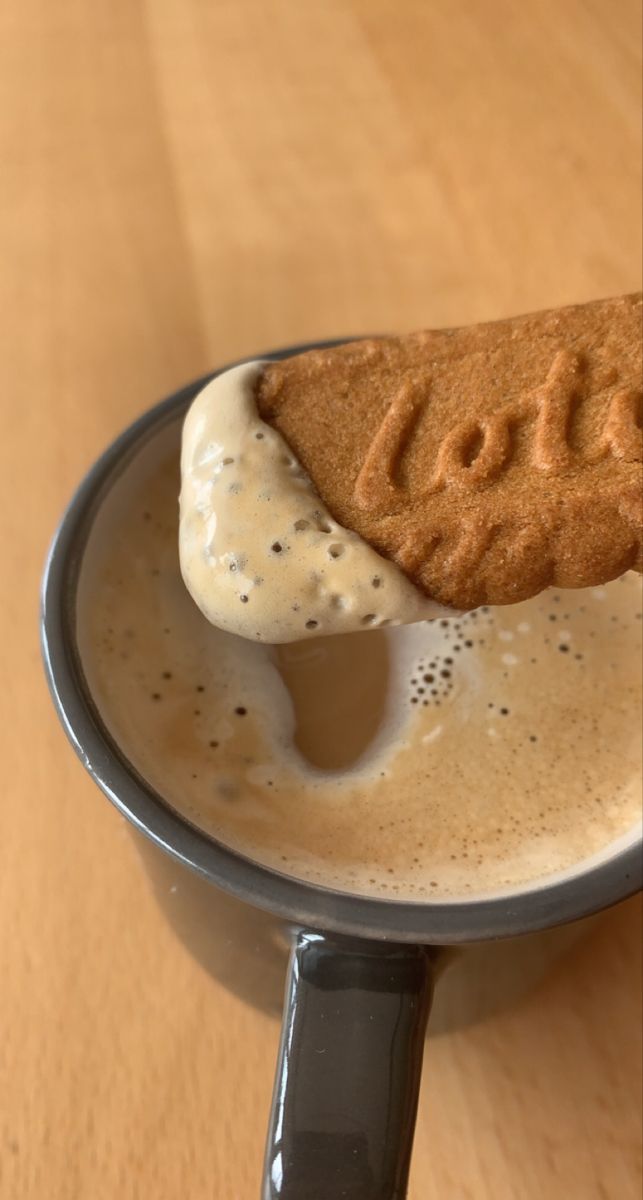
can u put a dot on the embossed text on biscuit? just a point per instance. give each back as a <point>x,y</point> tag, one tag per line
<point>477,450</point>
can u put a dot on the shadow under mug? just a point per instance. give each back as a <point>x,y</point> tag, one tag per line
<point>361,970</point>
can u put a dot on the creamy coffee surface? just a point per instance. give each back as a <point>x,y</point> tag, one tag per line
<point>260,554</point>
<point>456,757</point>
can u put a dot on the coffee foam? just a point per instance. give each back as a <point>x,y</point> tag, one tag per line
<point>260,554</point>
<point>455,758</point>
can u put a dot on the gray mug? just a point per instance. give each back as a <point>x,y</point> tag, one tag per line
<point>360,972</point>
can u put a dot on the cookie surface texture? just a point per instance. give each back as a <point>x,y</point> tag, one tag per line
<point>488,462</point>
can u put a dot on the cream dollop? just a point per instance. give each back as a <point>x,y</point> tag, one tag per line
<point>260,553</point>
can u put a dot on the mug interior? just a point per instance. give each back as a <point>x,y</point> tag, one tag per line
<point>594,883</point>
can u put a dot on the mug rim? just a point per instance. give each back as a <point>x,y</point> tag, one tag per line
<point>298,901</point>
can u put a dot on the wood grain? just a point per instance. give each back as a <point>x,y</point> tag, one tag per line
<point>182,182</point>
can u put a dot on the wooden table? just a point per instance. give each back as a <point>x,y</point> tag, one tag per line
<point>182,182</point>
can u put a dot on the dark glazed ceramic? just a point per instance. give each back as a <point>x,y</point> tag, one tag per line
<point>354,1020</point>
<point>344,1111</point>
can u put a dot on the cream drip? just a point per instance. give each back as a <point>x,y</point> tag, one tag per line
<point>260,553</point>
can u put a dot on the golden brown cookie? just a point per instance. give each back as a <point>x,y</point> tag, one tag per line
<point>487,462</point>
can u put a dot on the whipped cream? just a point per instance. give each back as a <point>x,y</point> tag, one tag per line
<point>260,553</point>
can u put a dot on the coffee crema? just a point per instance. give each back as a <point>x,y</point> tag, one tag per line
<point>453,758</point>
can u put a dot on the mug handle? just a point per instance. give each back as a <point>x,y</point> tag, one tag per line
<point>348,1071</point>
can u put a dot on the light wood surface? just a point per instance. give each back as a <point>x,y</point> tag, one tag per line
<point>181,182</point>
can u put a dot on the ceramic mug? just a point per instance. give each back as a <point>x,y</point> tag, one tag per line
<point>361,970</point>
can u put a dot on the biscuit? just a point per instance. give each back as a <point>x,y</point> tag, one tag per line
<point>487,462</point>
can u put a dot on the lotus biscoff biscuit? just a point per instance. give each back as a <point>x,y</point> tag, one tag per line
<point>487,462</point>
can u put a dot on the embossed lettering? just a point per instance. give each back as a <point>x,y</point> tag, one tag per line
<point>376,487</point>
<point>554,403</point>
<point>622,433</point>
<point>473,453</point>
<point>413,552</point>
<point>476,451</point>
